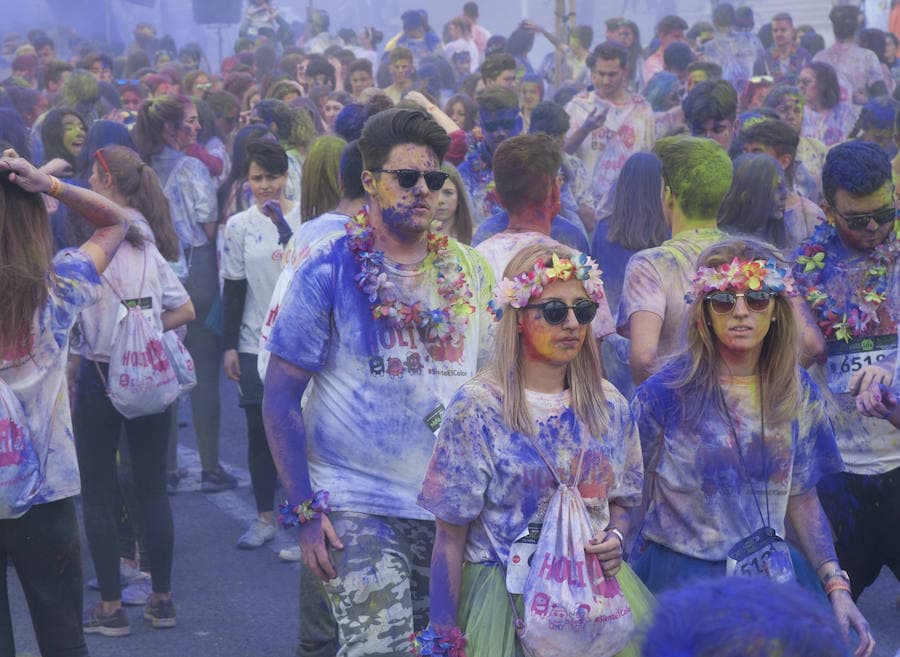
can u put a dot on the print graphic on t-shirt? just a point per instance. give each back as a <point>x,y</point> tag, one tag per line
<point>410,351</point>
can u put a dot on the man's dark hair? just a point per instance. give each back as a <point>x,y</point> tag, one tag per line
<point>42,40</point>
<point>349,122</point>
<point>496,99</point>
<point>775,134</point>
<point>470,9</point>
<point>783,16</point>
<point>54,70</point>
<point>351,172</point>
<point>812,42</point>
<point>743,17</point>
<point>723,15</point>
<point>844,21</point>
<point>495,64</point>
<point>223,102</point>
<point>318,65</point>
<point>584,34</point>
<point>716,101</point>
<point>268,155</point>
<point>393,127</point>
<point>858,167</point>
<point>364,65</point>
<point>549,117</point>
<point>608,50</point>
<point>677,56</point>
<point>713,71</point>
<point>524,167</point>
<point>669,24</point>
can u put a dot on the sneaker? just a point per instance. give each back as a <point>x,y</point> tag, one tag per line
<point>258,534</point>
<point>213,481</point>
<point>290,554</point>
<point>128,574</point>
<point>161,613</point>
<point>114,624</point>
<point>137,593</point>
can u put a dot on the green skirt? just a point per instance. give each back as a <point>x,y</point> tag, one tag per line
<point>485,616</point>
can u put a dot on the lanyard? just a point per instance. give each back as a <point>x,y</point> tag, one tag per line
<point>762,420</point>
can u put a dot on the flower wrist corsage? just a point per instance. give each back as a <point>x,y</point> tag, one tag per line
<point>292,515</point>
<point>446,641</point>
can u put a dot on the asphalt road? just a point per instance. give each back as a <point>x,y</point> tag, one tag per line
<point>238,603</point>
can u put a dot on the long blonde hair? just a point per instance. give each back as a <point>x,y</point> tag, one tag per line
<point>583,374</point>
<point>694,373</point>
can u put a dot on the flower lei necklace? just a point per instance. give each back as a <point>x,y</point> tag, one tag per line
<point>439,323</point>
<point>859,316</point>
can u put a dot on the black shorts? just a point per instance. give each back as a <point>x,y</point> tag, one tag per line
<point>864,511</point>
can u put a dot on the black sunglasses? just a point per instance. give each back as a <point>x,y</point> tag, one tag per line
<point>409,177</point>
<point>723,303</point>
<point>860,221</point>
<point>555,311</point>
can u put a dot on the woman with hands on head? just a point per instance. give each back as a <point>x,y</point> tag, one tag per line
<point>41,295</point>
<point>488,481</point>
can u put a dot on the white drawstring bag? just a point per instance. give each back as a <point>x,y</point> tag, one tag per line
<point>571,609</point>
<point>181,360</point>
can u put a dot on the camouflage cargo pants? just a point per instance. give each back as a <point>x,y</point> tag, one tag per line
<point>380,595</point>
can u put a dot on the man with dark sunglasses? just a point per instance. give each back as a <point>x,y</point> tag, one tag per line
<point>847,271</point>
<point>388,321</point>
<point>498,118</point>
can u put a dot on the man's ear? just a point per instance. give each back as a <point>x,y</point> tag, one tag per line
<point>368,181</point>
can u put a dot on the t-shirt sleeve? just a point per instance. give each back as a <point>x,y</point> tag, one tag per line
<point>817,453</point>
<point>76,285</point>
<point>233,254</point>
<point>642,289</point>
<point>629,485</point>
<point>174,295</point>
<point>460,469</point>
<point>302,332</point>
<point>646,408</point>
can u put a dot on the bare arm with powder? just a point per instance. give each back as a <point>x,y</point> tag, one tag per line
<point>286,433</point>
<point>446,573</point>
<point>814,534</point>
<point>109,220</point>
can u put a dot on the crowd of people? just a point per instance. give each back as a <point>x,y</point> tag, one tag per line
<point>451,282</point>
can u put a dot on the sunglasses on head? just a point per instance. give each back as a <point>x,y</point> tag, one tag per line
<point>555,311</point>
<point>409,177</point>
<point>860,221</point>
<point>723,303</point>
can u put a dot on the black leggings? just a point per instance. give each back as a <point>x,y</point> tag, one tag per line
<point>259,459</point>
<point>97,428</point>
<point>45,547</point>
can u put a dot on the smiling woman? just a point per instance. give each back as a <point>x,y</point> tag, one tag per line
<point>63,133</point>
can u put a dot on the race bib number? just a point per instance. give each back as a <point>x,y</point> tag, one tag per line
<point>847,358</point>
<point>521,553</point>
<point>762,554</point>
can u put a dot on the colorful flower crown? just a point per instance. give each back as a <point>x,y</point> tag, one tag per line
<point>741,275</point>
<point>530,284</point>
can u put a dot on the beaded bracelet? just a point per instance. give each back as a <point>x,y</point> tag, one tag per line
<point>430,642</point>
<point>292,515</point>
<point>55,186</point>
<point>836,584</point>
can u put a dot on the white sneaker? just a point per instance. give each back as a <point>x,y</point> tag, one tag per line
<point>290,554</point>
<point>258,534</point>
